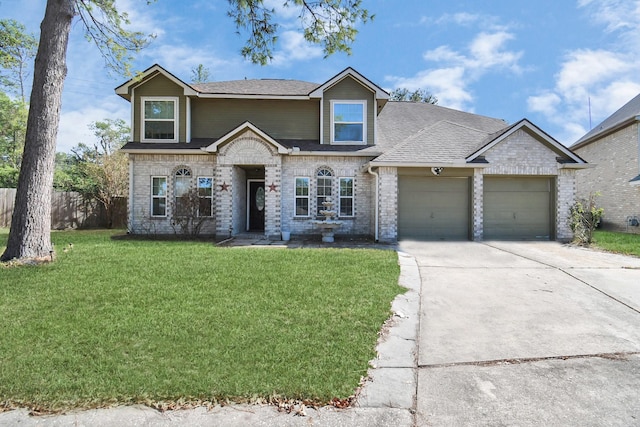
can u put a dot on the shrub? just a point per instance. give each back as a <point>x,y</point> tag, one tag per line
<point>584,218</point>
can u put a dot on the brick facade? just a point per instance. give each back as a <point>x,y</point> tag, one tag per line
<point>231,168</point>
<point>523,155</point>
<point>616,162</point>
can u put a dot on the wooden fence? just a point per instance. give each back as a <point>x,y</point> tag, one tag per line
<point>68,210</point>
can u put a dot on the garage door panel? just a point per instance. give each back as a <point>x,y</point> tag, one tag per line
<point>433,208</point>
<point>517,208</point>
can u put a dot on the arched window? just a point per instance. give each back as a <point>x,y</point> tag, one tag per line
<point>324,181</point>
<point>181,187</point>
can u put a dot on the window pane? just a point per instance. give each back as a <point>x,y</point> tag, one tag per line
<point>346,187</point>
<point>158,130</point>
<point>302,207</point>
<point>324,186</point>
<point>205,206</point>
<point>182,186</point>
<point>348,112</point>
<point>348,132</point>
<point>159,110</point>
<point>346,207</point>
<point>205,187</point>
<point>159,186</point>
<point>302,186</point>
<point>182,206</point>
<point>159,206</point>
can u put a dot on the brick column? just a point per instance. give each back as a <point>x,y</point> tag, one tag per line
<point>388,202</point>
<point>565,198</point>
<point>223,195</point>
<point>478,204</point>
<point>273,198</point>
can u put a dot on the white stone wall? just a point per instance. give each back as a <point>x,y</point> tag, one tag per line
<point>144,166</point>
<point>341,167</point>
<point>565,197</point>
<point>616,162</point>
<point>273,200</point>
<point>248,149</point>
<point>522,154</point>
<point>388,187</point>
<point>478,204</point>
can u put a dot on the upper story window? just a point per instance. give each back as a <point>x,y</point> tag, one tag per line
<point>159,119</point>
<point>348,122</point>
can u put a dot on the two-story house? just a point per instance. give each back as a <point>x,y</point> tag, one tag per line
<point>263,155</point>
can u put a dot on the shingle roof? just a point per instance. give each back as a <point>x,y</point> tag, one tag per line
<point>442,142</point>
<point>628,111</point>
<point>453,134</point>
<point>263,87</point>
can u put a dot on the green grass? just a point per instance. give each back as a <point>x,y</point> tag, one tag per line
<point>622,243</point>
<point>141,321</point>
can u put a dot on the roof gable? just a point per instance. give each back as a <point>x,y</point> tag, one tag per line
<point>627,114</point>
<point>124,90</point>
<point>534,130</point>
<point>229,136</point>
<point>380,94</point>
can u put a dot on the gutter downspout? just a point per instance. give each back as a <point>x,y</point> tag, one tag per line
<point>377,201</point>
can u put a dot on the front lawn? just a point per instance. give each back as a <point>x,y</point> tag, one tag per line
<point>622,243</point>
<point>124,321</point>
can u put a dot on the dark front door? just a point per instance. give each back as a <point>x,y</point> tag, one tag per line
<point>256,205</point>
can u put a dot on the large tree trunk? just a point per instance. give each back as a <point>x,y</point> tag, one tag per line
<point>30,233</point>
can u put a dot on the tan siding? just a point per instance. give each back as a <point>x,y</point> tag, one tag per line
<point>349,89</point>
<point>160,86</point>
<point>212,118</point>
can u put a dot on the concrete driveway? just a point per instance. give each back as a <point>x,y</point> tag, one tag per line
<point>527,333</point>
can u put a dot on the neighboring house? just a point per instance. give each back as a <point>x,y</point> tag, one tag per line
<point>264,154</point>
<point>614,146</point>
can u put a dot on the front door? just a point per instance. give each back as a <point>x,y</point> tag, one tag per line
<point>256,206</point>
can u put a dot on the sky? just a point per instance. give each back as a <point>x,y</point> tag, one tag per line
<point>565,65</point>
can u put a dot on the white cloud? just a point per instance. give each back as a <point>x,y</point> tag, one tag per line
<point>293,47</point>
<point>142,17</point>
<point>546,102</point>
<point>74,125</point>
<point>181,59</point>
<point>583,69</point>
<point>487,51</point>
<point>456,70</point>
<point>446,83</point>
<point>613,14</point>
<point>592,84</point>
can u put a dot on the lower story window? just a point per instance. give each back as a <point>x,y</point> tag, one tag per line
<point>159,196</point>
<point>346,197</point>
<point>302,197</point>
<point>205,194</point>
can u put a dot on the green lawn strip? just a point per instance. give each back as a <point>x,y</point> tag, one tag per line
<point>622,243</point>
<point>138,321</point>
